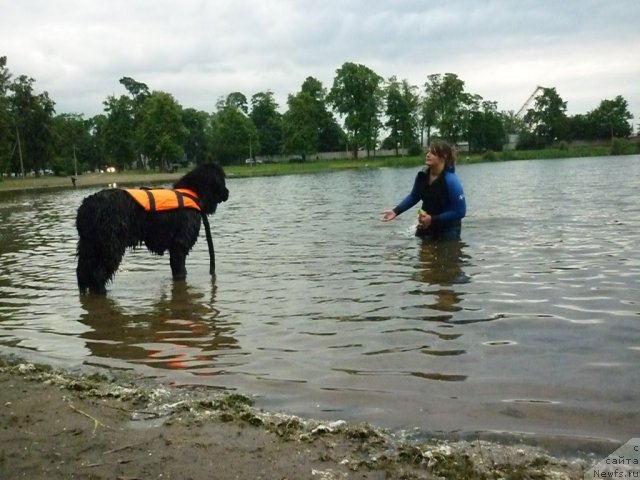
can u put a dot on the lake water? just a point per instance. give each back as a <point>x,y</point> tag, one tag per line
<point>531,324</point>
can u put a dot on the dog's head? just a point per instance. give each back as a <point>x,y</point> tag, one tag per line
<point>208,182</point>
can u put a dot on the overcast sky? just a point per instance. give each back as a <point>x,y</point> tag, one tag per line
<point>201,50</point>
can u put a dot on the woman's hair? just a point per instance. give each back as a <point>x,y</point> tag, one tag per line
<point>444,150</point>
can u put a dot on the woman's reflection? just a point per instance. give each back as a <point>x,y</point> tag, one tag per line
<point>181,331</point>
<point>440,265</point>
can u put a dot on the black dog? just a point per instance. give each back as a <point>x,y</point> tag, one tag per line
<point>111,220</point>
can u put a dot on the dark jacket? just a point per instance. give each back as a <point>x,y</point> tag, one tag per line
<point>443,200</point>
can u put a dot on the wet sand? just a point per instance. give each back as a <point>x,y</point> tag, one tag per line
<point>59,425</point>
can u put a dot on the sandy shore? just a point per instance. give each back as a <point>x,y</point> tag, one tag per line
<point>58,425</point>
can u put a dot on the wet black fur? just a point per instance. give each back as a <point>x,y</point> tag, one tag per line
<point>110,221</point>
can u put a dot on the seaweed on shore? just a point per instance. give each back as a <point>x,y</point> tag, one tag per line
<point>356,447</point>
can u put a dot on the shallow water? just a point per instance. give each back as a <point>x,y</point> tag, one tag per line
<point>530,324</point>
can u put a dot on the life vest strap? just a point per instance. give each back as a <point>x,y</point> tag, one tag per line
<point>183,192</point>
<point>152,200</point>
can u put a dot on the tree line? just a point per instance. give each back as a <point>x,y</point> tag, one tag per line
<point>361,111</point>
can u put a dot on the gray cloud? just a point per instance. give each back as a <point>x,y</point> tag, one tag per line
<point>201,50</point>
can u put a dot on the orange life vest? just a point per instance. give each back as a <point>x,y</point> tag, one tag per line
<point>154,200</point>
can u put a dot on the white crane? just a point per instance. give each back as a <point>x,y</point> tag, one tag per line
<point>513,137</point>
<point>525,106</point>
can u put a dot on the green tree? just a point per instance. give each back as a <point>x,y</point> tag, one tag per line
<point>196,146</point>
<point>161,131</point>
<point>547,120</point>
<point>234,137</point>
<point>118,132</point>
<point>611,119</point>
<point>97,128</point>
<point>268,122</point>
<point>309,127</point>
<point>33,116</point>
<point>237,100</point>
<point>512,123</point>
<point>486,128</point>
<point>139,91</point>
<point>331,137</point>
<point>357,95</point>
<point>73,144</point>
<point>428,118</point>
<point>401,109</point>
<point>7,130</point>
<point>447,101</point>
<point>301,125</point>
<point>579,127</point>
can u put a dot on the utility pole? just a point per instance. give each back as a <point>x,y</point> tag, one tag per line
<point>75,160</point>
<point>20,152</point>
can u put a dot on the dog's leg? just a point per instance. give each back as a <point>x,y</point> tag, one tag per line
<point>178,259</point>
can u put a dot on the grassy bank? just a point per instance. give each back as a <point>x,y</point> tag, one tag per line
<point>314,166</point>
<point>412,161</point>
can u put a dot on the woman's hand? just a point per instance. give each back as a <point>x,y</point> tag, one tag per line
<point>424,220</point>
<point>388,215</point>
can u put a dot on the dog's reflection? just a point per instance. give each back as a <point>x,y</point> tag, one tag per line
<point>440,264</point>
<point>180,331</point>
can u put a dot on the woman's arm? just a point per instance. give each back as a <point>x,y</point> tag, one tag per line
<point>413,197</point>
<point>458,205</point>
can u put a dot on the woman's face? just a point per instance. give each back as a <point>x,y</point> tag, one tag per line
<point>432,159</point>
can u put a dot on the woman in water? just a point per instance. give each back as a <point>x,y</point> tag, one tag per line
<point>439,188</point>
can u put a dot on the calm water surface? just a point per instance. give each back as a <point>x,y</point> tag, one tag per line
<point>531,324</point>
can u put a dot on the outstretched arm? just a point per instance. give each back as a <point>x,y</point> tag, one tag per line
<point>408,201</point>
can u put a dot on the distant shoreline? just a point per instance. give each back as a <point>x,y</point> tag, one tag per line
<point>137,177</point>
<point>86,180</point>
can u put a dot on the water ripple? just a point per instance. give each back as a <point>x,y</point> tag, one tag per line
<point>319,308</point>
